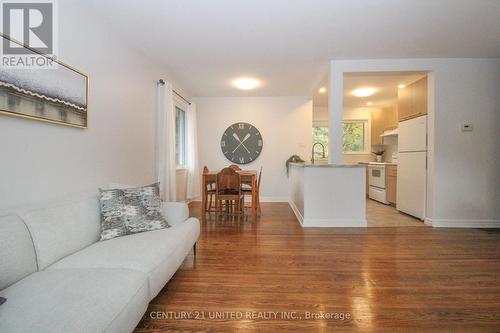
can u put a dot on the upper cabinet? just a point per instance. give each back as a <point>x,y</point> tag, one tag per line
<point>412,100</point>
<point>376,127</point>
<point>382,120</point>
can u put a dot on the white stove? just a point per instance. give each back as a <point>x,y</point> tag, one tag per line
<point>376,182</point>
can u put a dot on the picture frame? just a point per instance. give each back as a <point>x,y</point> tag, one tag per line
<point>58,95</point>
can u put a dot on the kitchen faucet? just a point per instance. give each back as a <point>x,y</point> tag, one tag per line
<point>312,151</point>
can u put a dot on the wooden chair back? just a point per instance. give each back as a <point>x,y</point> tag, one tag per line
<point>235,167</point>
<point>210,180</point>
<point>258,179</point>
<point>228,182</point>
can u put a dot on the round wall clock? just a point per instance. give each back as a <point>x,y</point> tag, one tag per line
<point>241,143</point>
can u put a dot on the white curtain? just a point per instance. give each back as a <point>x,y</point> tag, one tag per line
<point>166,164</point>
<point>193,179</point>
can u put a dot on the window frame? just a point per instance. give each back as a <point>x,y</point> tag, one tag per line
<point>321,123</point>
<point>366,134</point>
<point>183,147</point>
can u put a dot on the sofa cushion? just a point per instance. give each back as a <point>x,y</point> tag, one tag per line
<point>60,230</point>
<point>17,255</point>
<point>131,210</point>
<point>75,300</point>
<point>157,253</point>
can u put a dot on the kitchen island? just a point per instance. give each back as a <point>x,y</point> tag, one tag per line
<point>328,195</point>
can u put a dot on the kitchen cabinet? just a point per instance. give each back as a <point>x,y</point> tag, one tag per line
<point>376,127</point>
<point>412,100</point>
<point>382,120</point>
<point>367,186</point>
<point>391,175</point>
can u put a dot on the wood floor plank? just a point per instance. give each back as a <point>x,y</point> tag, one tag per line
<point>388,279</point>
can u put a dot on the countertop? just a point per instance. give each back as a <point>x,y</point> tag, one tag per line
<point>379,163</point>
<point>326,165</point>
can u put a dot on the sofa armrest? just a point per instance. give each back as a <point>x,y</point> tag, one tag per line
<point>175,212</point>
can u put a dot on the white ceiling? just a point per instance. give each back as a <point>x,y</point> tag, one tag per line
<point>288,44</point>
<point>385,83</point>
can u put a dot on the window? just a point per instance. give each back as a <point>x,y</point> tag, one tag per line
<point>354,138</point>
<point>180,137</point>
<point>320,134</point>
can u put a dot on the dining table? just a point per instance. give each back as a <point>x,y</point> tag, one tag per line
<point>248,177</point>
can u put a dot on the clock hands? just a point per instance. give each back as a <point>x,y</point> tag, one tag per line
<point>241,142</point>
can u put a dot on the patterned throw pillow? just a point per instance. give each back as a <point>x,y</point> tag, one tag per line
<point>129,211</point>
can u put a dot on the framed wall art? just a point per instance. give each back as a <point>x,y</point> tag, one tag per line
<point>57,95</point>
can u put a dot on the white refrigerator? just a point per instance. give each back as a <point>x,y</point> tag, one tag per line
<point>412,167</point>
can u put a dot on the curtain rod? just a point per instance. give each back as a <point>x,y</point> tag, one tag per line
<point>161,82</point>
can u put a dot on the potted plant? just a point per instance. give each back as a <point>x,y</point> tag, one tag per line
<point>293,159</point>
<point>378,154</point>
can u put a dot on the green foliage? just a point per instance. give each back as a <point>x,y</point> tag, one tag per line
<point>353,137</point>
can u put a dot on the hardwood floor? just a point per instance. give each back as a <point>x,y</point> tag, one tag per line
<point>386,279</point>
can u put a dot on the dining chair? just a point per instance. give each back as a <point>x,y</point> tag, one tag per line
<point>209,192</point>
<point>235,167</point>
<point>247,189</point>
<point>229,192</point>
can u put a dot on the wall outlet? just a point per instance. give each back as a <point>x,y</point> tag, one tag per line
<point>467,128</point>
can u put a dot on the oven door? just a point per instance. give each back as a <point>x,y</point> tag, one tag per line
<point>376,175</point>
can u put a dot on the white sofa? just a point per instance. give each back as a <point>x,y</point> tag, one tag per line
<point>57,276</point>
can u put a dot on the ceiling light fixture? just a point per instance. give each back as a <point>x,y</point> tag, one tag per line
<point>364,92</point>
<point>322,90</point>
<point>401,86</point>
<point>246,83</point>
<point>369,103</point>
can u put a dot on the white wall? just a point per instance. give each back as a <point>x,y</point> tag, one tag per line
<point>320,114</point>
<point>463,177</point>
<point>40,160</point>
<point>284,122</point>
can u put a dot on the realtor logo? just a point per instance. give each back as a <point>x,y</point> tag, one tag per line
<point>32,24</point>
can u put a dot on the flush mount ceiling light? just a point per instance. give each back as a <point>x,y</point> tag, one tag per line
<point>363,92</point>
<point>245,83</point>
<point>401,86</point>
<point>322,90</point>
<point>369,103</point>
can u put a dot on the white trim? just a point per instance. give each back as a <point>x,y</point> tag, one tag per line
<point>456,223</point>
<point>366,136</point>
<point>274,199</point>
<point>296,211</point>
<point>334,223</point>
<point>326,223</point>
<point>320,123</point>
<point>180,103</point>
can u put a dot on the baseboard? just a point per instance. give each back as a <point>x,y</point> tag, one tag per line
<point>326,223</point>
<point>334,223</point>
<point>296,212</point>
<point>448,223</point>
<point>274,199</point>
